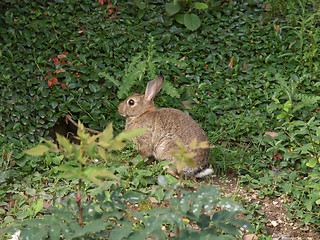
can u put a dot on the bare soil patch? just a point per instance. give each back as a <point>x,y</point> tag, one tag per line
<point>277,225</point>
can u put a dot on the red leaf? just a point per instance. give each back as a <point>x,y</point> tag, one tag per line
<point>54,80</point>
<point>109,4</point>
<point>55,60</point>
<point>278,156</point>
<point>63,85</point>
<point>101,2</point>
<point>49,83</point>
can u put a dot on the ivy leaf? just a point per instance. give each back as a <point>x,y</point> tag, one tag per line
<point>37,151</point>
<point>93,87</point>
<point>192,21</point>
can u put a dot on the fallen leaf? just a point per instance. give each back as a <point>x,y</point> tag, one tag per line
<point>62,56</point>
<point>250,237</point>
<point>271,134</point>
<point>231,62</point>
<point>59,71</point>
<point>277,28</point>
<point>278,156</point>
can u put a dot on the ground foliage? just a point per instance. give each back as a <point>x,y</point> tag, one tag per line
<point>249,69</point>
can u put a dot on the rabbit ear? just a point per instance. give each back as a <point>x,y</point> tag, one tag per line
<point>153,87</point>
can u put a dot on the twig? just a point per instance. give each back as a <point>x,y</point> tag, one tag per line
<point>78,200</point>
<point>68,117</point>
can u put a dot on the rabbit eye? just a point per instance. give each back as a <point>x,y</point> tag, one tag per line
<point>131,102</point>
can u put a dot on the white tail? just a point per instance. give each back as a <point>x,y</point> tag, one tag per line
<point>204,173</point>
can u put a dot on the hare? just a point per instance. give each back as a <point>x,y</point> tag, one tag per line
<point>165,126</point>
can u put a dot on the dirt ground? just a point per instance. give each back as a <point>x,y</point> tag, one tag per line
<point>278,225</point>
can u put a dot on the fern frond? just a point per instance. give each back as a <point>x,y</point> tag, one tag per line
<point>170,89</point>
<point>109,77</point>
<point>307,99</point>
<point>128,82</point>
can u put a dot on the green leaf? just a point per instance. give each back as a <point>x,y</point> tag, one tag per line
<point>34,233</point>
<point>204,221</point>
<point>192,21</point>
<point>287,106</point>
<point>292,176</point>
<point>66,145</point>
<point>312,162</point>
<point>93,87</point>
<point>37,206</point>
<point>172,8</point>
<point>93,227</point>
<point>106,136</point>
<point>102,153</point>
<point>228,228</point>
<point>70,172</point>
<point>98,172</point>
<point>185,205</point>
<point>307,218</point>
<point>120,233</point>
<point>54,232</point>
<point>180,18</point>
<point>37,151</point>
<point>230,205</point>
<point>242,224</point>
<point>162,180</point>
<point>199,5</point>
<point>116,145</point>
<point>129,134</point>
<point>134,197</point>
<point>140,4</point>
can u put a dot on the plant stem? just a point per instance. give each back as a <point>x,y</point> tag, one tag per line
<point>79,204</point>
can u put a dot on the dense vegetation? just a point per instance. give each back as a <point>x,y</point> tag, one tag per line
<point>247,71</point>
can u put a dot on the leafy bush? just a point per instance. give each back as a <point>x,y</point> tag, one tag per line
<point>101,218</point>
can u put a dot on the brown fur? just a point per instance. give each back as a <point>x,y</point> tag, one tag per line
<point>165,126</point>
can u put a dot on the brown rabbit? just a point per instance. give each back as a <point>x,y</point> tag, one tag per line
<point>165,126</point>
